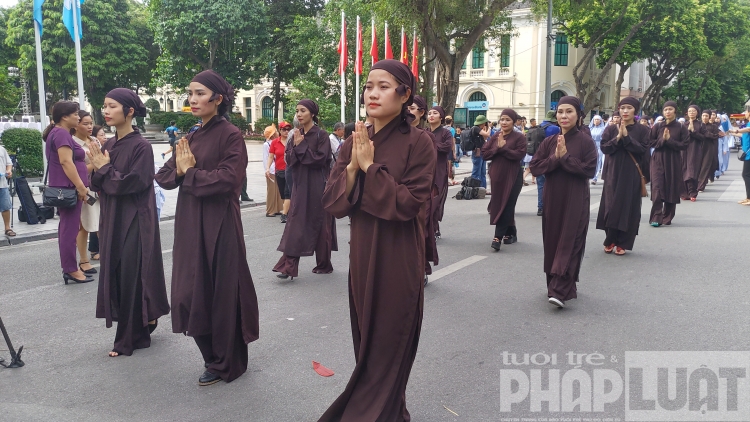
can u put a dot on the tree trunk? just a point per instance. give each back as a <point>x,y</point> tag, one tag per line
<point>621,77</point>
<point>429,77</point>
<point>448,76</point>
<point>276,95</point>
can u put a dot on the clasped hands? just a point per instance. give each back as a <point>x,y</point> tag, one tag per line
<point>184,158</point>
<point>622,132</point>
<point>363,149</point>
<point>561,149</point>
<point>97,158</point>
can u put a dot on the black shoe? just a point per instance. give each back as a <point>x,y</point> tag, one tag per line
<point>67,277</point>
<point>283,218</point>
<point>539,212</point>
<point>206,364</point>
<point>509,240</point>
<point>152,327</point>
<point>495,245</point>
<point>89,271</point>
<point>426,281</point>
<point>437,234</point>
<point>246,199</point>
<point>282,276</point>
<point>208,378</point>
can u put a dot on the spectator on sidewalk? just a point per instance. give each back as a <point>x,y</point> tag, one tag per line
<point>101,137</point>
<point>745,146</point>
<point>171,132</point>
<point>5,202</point>
<point>550,128</point>
<point>89,212</point>
<point>479,134</point>
<point>274,204</point>
<point>337,138</point>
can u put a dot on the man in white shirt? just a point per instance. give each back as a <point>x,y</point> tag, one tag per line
<point>5,203</point>
<point>337,138</point>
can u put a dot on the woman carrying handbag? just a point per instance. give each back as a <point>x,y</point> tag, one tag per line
<point>68,182</point>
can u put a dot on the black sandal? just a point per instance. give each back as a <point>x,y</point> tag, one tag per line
<point>495,244</point>
<point>89,271</point>
<point>509,240</point>
<point>152,327</point>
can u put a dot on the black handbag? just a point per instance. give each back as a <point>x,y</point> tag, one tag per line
<point>742,155</point>
<point>58,197</point>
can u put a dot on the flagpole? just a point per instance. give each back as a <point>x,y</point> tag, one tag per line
<point>40,85</point>
<point>401,59</point>
<point>372,41</point>
<point>343,72</point>
<point>386,41</point>
<point>357,62</point>
<point>79,67</point>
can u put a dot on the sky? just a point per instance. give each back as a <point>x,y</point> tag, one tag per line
<point>8,3</point>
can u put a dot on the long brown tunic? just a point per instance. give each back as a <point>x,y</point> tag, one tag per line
<point>566,194</point>
<point>126,197</point>
<point>691,156</point>
<point>709,159</point>
<point>503,169</point>
<point>430,222</point>
<point>444,144</point>
<point>667,182</point>
<point>310,163</point>
<point>212,289</point>
<point>386,271</point>
<point>620,206</point>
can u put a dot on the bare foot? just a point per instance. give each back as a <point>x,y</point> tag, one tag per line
<point>113,354</point>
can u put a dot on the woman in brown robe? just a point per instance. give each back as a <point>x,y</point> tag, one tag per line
<point>620,208</point>
<point>505,149</point>
<point>444,143</point>
<point>567,161</point>
<point>668,138</point>
<point>309,229</point>
<point>382,180</point>
<point>132,290</point>
<point>691,156</point>
<point>418,109</point>
<point>213,296</point>
<point>709,155</point>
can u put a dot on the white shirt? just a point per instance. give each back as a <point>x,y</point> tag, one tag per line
<point>4,163</point>
<point>335,143</point>
<point>266,153</point>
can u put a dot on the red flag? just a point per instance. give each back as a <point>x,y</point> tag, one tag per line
<point>358,58</point>
<point>404,53</point>
<point>414,61</point>
<point>374,45</point>
<point>388,50</point>
<point>344,53</point>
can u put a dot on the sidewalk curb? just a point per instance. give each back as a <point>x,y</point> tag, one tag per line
<point>52,234</point>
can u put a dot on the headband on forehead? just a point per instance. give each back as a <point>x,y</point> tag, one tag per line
<point>128,99</point>
<point>670,104</point>
<point>405,78</point>
<point>510,113</point>
<point>575,102</point>
<point>631,101</point>
<point>217,84</point>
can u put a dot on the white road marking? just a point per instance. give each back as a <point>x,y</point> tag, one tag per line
<point>437,275</point>
<point>735,192</point>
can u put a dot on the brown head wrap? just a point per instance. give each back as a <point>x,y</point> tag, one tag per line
<point>128,99</point>
<point>631,101</point>
<point>312,106</point>
<point>219,86</point>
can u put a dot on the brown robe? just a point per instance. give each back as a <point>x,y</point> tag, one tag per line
<point>213,296</point>
<point>566,194</point>
<point>691,157</point>
<point>309,228</point>
<point>430,223</point>
<point>444,144</point>
<point>504,169</point>
<point>386,270</point>
<point>127,200</point>
<point>620,207</point>
<point>667,184</point>
<point>709,160</point>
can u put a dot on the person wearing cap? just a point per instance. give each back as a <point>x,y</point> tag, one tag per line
<point>444,146</point>
<point>132,290</point>
<point>213,295</point>
<point>550,128</point>
<point>620,207</point>
<point>479,133</point>
<point>274,204</point>
<point>568,161</point>
<point>309,229</point>
<point>383,181</point>
<point>668,138</point>
<point>504,150</point>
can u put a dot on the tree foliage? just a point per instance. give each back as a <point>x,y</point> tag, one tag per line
<point>227,36</point>
<point>115,52</point>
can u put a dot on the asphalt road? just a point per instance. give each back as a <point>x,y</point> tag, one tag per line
<point>681,289</point>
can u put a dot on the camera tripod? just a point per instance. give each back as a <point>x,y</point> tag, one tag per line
<point>15,357</point>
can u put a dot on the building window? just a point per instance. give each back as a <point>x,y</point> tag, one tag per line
<point>555,98</point>
<point>248,110</point>
<point>463,66</point>
<point>505,51</point>
<point>267,107</point>
<point>477,56</point>
<point>561,50</point>
<point>478,96</point>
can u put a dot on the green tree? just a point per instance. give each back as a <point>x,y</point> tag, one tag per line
<point>194,35</point>
<point>115,51</point>
<point>11,94</point>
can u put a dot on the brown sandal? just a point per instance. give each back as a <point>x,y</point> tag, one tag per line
<point>609,249</point>
<point>10,233</point>
<point>619,251</point>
